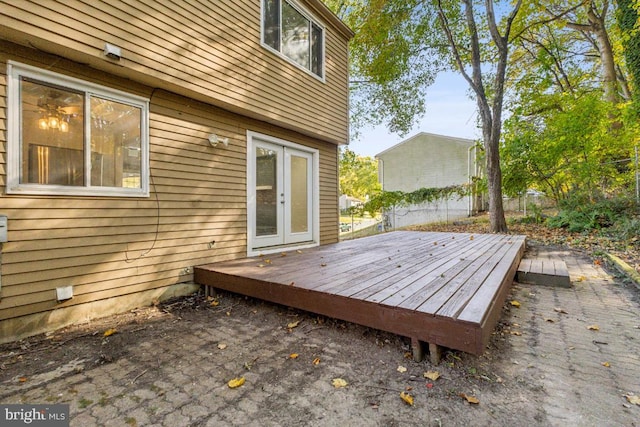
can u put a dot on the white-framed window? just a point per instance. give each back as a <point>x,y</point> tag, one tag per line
<point>293,33</point>
<point>71,137</point>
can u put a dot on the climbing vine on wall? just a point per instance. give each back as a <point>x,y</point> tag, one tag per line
<point>388,199</point>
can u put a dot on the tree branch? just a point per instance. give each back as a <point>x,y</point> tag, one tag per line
<point>444,22</point>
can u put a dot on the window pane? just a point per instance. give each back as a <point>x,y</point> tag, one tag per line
<point>116,159</point>
<point>52,134</point>
<point>295,35</point>
<point>271,23</point>
<point>316,50</point>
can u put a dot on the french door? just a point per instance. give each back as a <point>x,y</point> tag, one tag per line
<point>281,194</point>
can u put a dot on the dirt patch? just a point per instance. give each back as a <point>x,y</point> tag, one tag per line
<point>376,365</point>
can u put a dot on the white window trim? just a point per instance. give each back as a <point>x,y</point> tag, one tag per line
<point>312,19</point>
<point>251,191</point>
<point>15,70</point>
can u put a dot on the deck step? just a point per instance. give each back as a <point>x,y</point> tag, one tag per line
<point>543,271</point>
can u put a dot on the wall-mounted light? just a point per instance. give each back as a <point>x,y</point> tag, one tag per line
<point>112,52</point>
<point>214,140</point>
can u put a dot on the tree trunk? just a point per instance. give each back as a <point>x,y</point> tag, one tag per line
<point>609,76</point>
<point>494,186</point>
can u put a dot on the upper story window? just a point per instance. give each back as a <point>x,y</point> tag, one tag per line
<point>291,31</point>
<point>71,137</point>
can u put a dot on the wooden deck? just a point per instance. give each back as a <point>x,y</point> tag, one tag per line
<point>445,289</point>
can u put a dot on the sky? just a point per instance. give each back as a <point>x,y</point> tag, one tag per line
<point>450,112</point>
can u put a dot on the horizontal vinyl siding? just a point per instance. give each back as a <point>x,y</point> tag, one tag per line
<point>208,49</point>
<point>107,247</point>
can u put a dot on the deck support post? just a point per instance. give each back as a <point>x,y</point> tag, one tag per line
<point>435,353</point>
<point>417,349</point>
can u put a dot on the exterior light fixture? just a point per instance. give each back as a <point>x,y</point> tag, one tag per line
<point>112,52</point>
<point>214,140</point>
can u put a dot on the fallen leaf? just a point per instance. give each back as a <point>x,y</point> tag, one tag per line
<point>215,303</point>
<point>293,356</point>
<point>408,399</point>
<point>633,399</point>
<point>236,382</point>
<point>222,346</point>
<point>228,313</point>
<point>593,327</point>
<point>22,379</point>
<point>260,265</point>
<point>402,369</point>
<point>429,385</point>
<point>471,238</point>
<point>339,383</point>
<point>547,319</point>
<point>515,303</point>
<point>323,265</point>
<point>606,364</point>
<point>293,324</point>
<point>267,261</point>
<point>408,355</point>
<point>432,375</point>
<point>316,361</point>
<point>109,332</point>
<point>283,254</point>
<point>470,399</point>
<point>299,251</point>
<point>560,310</point>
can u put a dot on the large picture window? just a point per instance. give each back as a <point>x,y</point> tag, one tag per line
<point>292,33</point>
<point>67,136</point>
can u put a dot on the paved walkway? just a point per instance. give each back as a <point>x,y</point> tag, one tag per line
<point>549,370</point>
<point>582,344</point>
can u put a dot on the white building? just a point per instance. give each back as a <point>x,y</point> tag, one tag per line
<point>429,161</point>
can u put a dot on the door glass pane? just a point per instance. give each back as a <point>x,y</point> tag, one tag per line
<point>266,192</point>
<point>299,195</point>
<point>52,134</point>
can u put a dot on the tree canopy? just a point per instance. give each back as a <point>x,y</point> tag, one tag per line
<point>561,76</point>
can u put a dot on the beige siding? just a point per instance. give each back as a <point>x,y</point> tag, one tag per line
<point>107,247</point>
<point>205,49</point>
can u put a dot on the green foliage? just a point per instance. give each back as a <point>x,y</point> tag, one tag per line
<point>392,60</point>
<point>358,175</point>
<point>387,199</point>
<point>628,21</point>
<point>574,149</point>
<point>579,214</point>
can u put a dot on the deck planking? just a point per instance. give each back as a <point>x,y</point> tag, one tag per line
<point>445,289</point>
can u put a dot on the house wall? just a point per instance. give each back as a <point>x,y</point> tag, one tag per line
<point>208,50</point>
<point>119,253</point>
<point>428,161</point>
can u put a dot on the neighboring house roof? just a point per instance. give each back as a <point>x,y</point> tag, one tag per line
<point>429,136</point>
